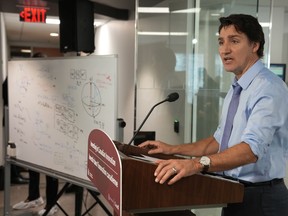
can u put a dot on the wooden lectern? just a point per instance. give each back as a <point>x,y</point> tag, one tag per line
<point>140,193</point>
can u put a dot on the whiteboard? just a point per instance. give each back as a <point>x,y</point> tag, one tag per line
<point>55,103</point>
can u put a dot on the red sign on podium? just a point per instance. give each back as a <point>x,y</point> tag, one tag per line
<point>104,168</point>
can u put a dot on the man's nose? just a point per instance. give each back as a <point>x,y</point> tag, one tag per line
<point>224,48</point>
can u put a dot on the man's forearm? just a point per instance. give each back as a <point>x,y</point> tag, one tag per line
<point>202,147</point>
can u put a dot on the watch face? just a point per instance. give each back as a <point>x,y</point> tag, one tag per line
<point>205,161</point>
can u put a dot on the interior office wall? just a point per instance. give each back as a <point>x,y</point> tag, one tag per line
<point>279,37</point>
<point>277,34</point>
<point>285,44</point>
<point>1,106</point>
<point>118,37</point>
<point>158,75</point>
<point>3,70</point>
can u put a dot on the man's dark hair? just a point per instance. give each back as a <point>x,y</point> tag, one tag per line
<point>248,25</point>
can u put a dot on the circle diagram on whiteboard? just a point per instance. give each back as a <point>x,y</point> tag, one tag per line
<point>91,99</point>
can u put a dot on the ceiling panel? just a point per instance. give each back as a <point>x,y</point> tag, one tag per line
<point>34,34</point>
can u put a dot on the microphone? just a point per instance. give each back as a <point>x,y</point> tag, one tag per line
<point>170,98</point>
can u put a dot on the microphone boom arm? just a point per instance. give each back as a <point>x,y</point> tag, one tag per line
<point>136,133</point>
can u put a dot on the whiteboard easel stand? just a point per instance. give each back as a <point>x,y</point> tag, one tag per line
<point>69,179</point>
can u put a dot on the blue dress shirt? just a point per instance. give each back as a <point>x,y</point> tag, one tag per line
<point>261,121</point>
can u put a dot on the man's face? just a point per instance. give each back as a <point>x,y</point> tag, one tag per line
<point>238,54</point>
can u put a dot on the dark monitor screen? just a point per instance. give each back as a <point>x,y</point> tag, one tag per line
<point>142,136</point>
<point>279,70</point>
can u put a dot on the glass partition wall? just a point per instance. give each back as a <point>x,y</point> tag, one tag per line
<point>177,51</point>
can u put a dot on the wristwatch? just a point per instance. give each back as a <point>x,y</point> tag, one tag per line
<point>205,162</point>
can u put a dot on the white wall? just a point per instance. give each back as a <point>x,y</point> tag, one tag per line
<point>285,45</point>
<point>118,37</point>
<point>3,67</point>
<point>277,35</point>
<point>1,106</point>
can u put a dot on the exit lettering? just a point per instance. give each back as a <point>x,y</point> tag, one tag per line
<point>33,15</point>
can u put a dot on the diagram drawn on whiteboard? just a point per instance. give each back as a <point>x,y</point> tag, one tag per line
<point>65,121</point>
<point>91,99</point>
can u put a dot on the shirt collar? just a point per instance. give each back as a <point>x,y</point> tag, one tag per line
<point>250,74</point>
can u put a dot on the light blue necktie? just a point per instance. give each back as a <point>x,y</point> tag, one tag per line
<point>230,115</point>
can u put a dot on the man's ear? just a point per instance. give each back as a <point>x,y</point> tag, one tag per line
<point>256,46</point>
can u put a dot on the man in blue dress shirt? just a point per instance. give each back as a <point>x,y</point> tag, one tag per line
<point>257,148</point>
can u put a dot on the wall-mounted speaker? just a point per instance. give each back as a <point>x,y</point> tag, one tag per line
<point>76,26</point>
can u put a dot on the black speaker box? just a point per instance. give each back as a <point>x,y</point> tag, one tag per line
<point>76,26</point>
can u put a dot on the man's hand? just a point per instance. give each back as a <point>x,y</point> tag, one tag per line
<point>155,147</point>
<point>175,169</point>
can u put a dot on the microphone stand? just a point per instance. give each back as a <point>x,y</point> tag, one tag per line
<point>135,134</point>
<point>171,98</point>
